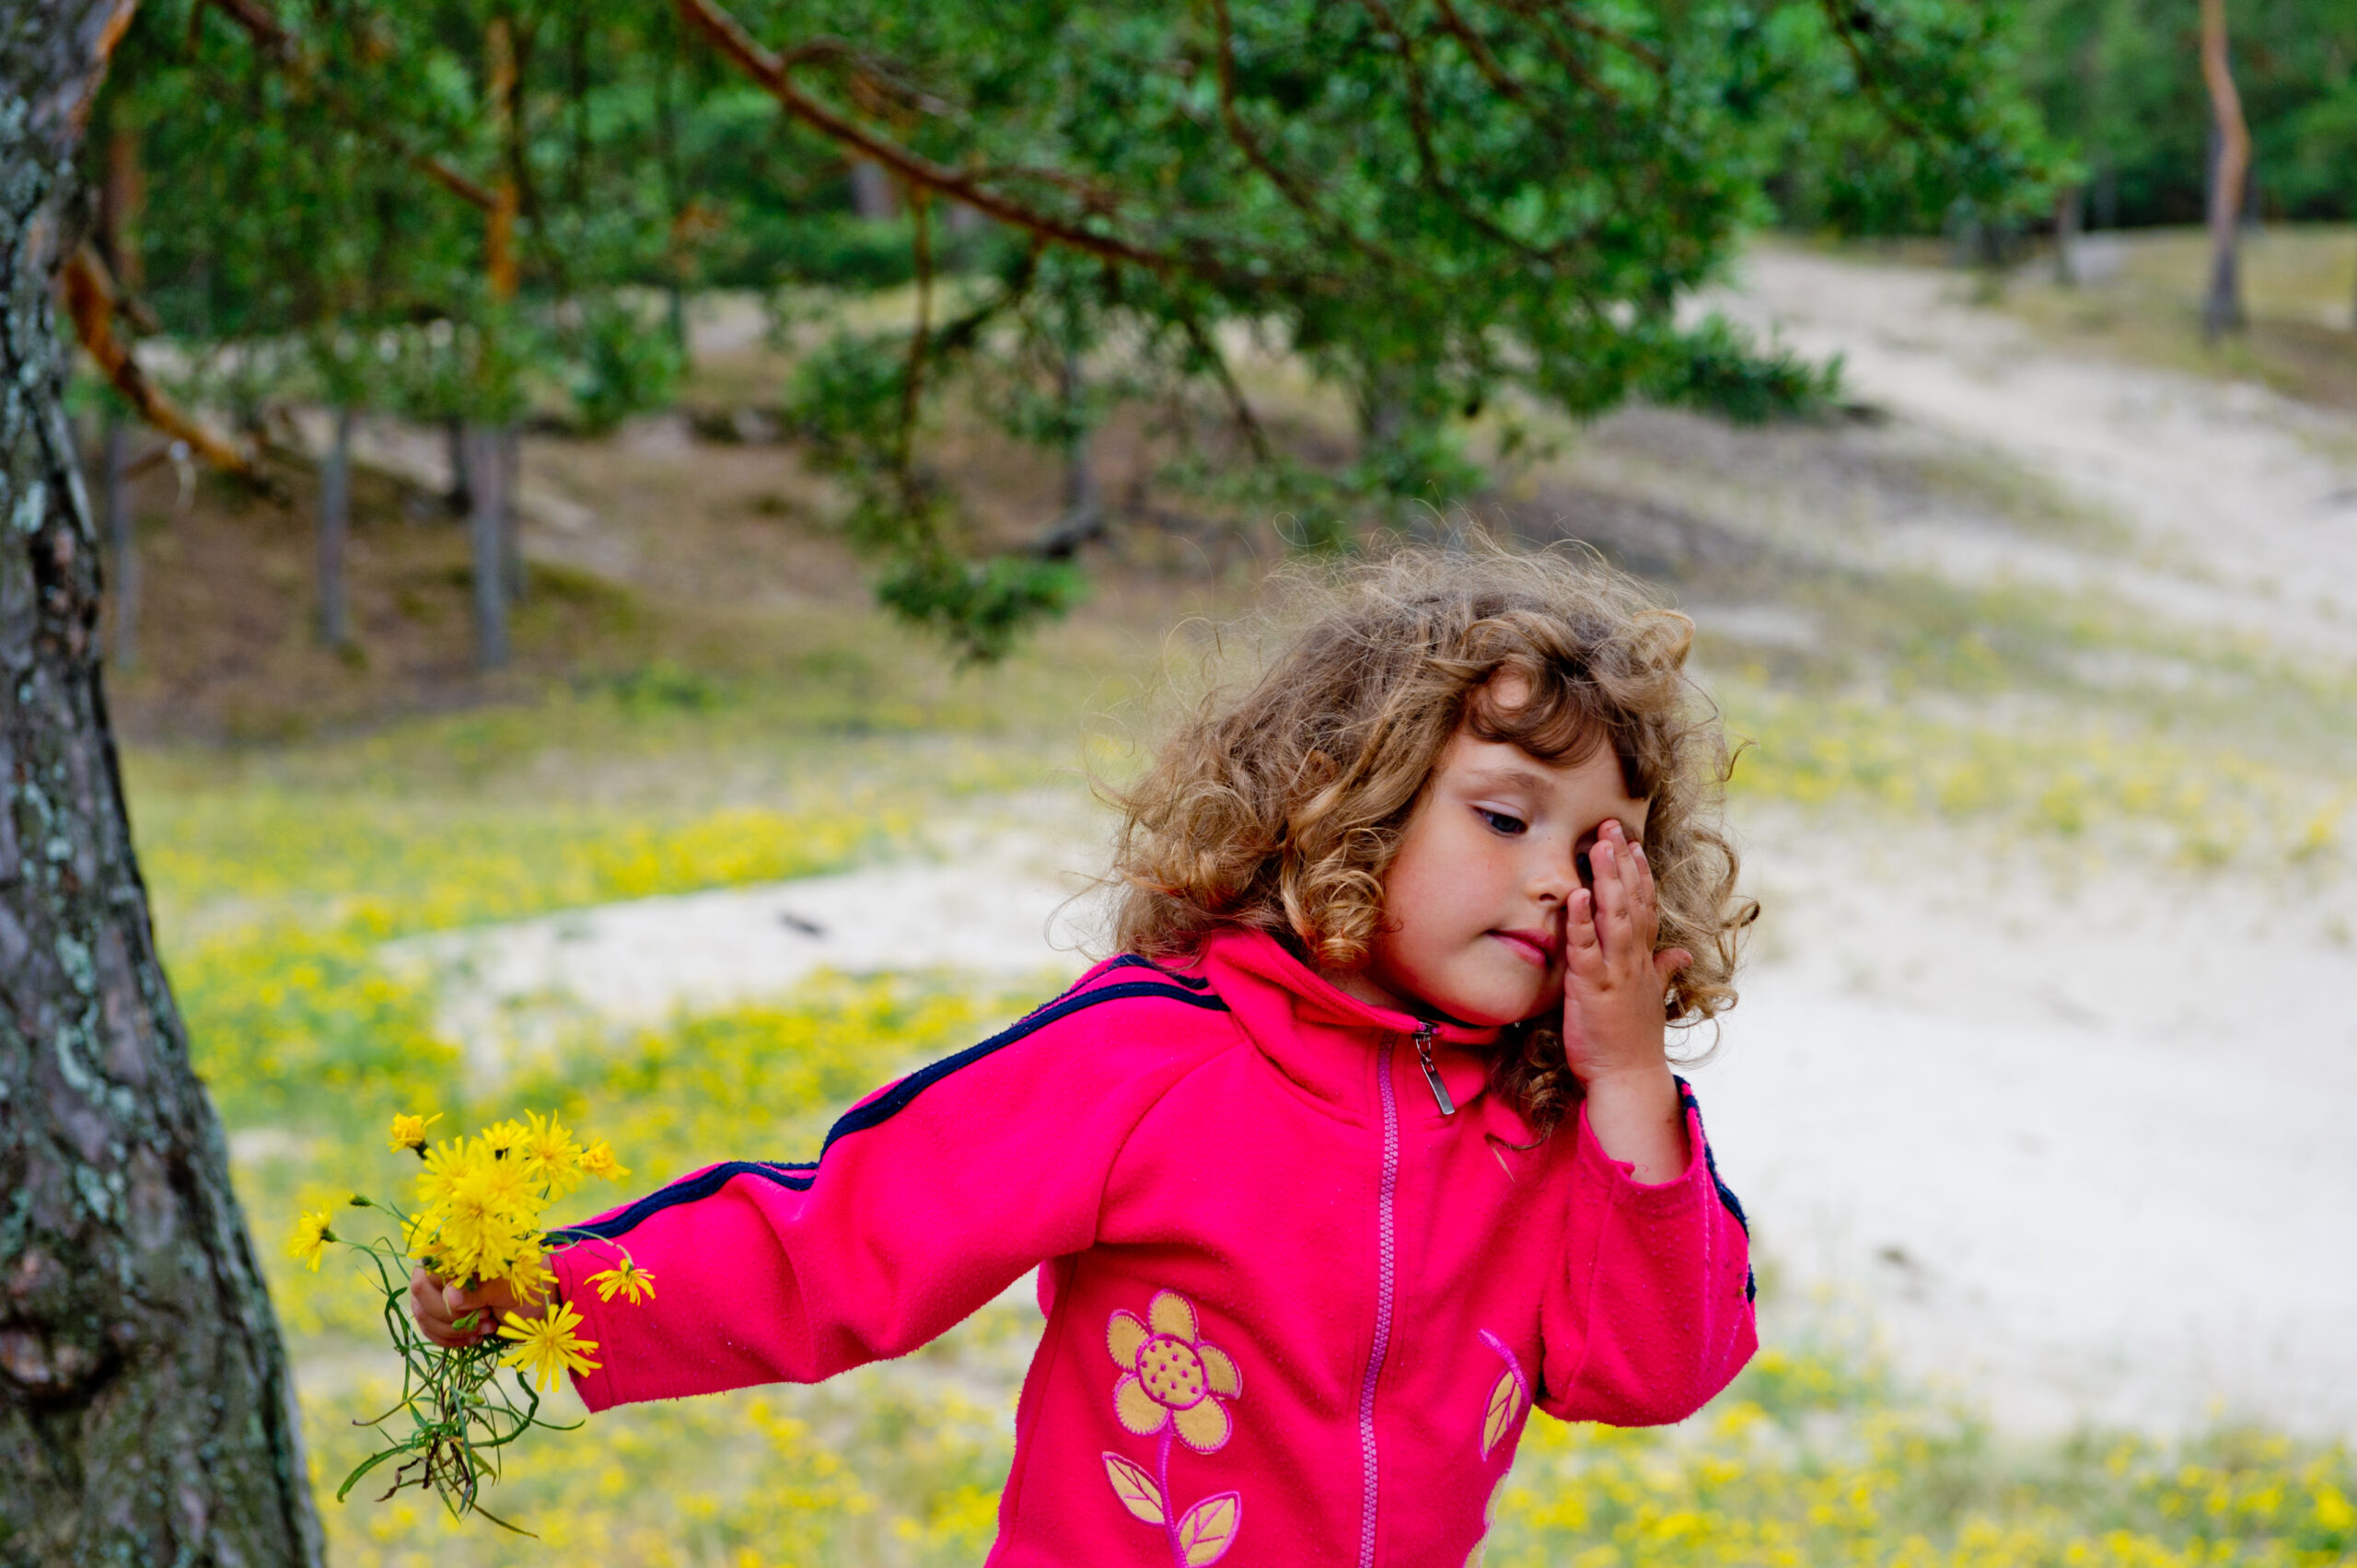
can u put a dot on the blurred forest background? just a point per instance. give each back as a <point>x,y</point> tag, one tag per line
<point>548,457</point>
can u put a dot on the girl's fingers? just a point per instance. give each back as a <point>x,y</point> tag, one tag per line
<point>1610,860</point>
<point>1645,901</point>
<point>1582,951</point>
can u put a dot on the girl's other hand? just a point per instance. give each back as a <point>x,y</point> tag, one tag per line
<point>438,1307</point>
<point>1615,1014</point>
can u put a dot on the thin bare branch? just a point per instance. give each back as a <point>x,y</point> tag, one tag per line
<point>772,72</point>
<point>1841,16</point>
<point>90,302</point>
<point>1603,34</point>
<point>1241,135</point>
<point>276,45</point>
<point>1238,409</point>
<point>913,383</point>
<point>1568,58</point>
<point>118,22</point>
<point>1478,48</point>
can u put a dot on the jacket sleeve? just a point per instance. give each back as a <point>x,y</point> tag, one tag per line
<point>929,1198</point>
<point>1654,1314</point>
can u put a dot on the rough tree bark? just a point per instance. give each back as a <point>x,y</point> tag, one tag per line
<point>2221,311</point>
<point>123,542</point>
<point>146,1410</point>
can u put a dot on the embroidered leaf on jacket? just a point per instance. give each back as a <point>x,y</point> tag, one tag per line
<point>1506,1403</point>
<point>1208,1529</point>
<point>1137,1490</point>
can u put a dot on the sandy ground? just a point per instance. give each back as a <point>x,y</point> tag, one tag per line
<point>2070,1132</point>
<point>2244,504</point>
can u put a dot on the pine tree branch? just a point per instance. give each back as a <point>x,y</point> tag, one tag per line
<point>773,72</point>
<point>91,303</point>
<point>278,46</point>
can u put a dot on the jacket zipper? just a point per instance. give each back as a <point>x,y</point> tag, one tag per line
<point>1385,1255</point>
<point>1425,1033</point>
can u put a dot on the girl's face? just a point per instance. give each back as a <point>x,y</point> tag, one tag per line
<point>1473,905</point>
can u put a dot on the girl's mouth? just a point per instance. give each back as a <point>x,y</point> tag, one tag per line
<point>1536,946</point>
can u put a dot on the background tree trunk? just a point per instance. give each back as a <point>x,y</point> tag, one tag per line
<point>335,527</point>
<point>511,520</point>
<point>145,1411</point>
<point>487,535</point>
<point>461,499</point>
<point>2067,205</point>
<point>2221,311</point>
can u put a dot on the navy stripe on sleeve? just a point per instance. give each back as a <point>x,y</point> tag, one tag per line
<point>1726,1194</point>
<point>798,1175</point>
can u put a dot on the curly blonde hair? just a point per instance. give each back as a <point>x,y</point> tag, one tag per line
<point>1282,811</point>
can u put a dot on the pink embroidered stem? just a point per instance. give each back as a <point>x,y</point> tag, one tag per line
<point>1169,1508</point>
<point>1514,1366</point>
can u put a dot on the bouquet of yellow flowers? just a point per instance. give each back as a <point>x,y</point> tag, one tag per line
<point>477,1223</point>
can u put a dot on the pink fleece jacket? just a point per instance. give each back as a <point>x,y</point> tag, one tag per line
<point>1298,1309</point>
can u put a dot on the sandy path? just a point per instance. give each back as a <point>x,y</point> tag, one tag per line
<point>2246,503</point>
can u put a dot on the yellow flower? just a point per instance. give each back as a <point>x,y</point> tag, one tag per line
<point>310,1239</point>
<point>546,1347</point>
<point>527,1274</point>
<point>551,1157</point>
<point>444,1166</point>
<point>502,1138</point>
<point>409,1133</point>
<point>598,1160</point>
<point>626,1279</point>
<point>1171,1375</point>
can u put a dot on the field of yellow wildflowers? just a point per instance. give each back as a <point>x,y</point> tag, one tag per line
<point>280,878</point>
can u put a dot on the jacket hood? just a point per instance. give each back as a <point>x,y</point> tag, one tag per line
<point>1322,1037</point>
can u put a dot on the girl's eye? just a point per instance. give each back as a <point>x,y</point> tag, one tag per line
<point>1586,872</point>
<point>1502,823</point>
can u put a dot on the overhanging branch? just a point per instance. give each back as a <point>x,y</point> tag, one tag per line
<point>774,73</point>
<point>275,44</point>
<point>90,302</point>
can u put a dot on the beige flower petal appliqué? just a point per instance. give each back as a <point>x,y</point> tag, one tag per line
<point>1220,1372</point>
<point>1172,1314</point>
<point>1123,1335</point>
<point>1137,1410</point>
<point>1204,1425</point>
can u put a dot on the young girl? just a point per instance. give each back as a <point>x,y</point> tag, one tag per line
<point>1364,1144</point>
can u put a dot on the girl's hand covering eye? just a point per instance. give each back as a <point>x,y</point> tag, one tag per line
<point>1615,985</point>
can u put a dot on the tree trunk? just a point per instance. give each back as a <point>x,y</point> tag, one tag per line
<point>872,193</point>
<point>122,542</point>
<point>2066,236</point>
<point>2221,311</point>
<point>145,1411</point>
<point>511,522</point>
<point>461,499</point>
<point>487,535</point>
<point>335,526</point>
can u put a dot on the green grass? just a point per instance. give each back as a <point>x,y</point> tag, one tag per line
<point>2300,288</point>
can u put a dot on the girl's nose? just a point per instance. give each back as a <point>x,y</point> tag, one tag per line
<point>1557,872</point>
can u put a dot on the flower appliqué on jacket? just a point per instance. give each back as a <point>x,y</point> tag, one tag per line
<point>1174,1383</point>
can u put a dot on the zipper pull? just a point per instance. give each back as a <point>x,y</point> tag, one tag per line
<point>1425,1033</point>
